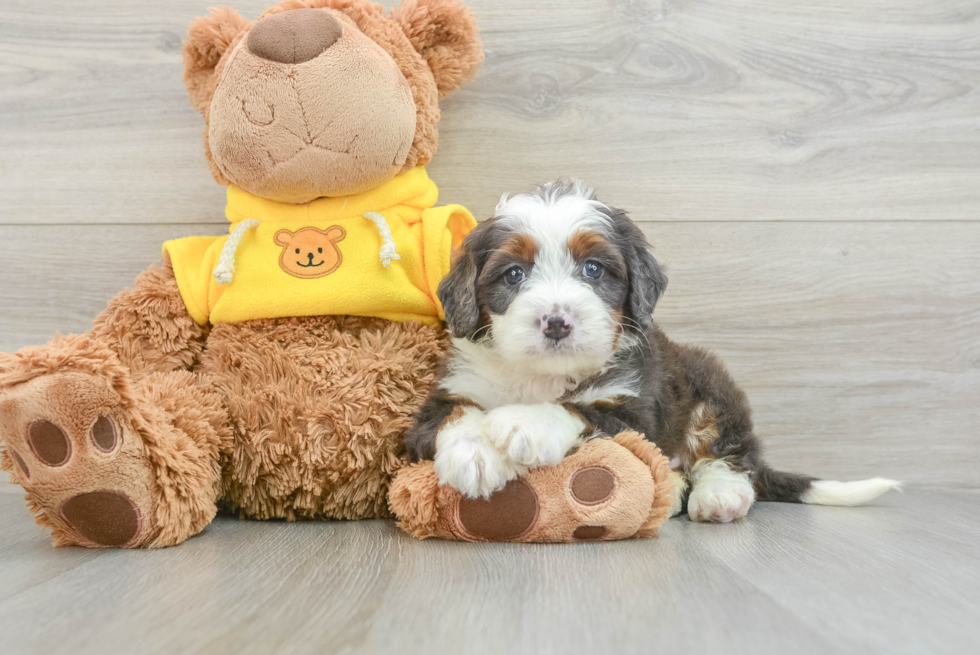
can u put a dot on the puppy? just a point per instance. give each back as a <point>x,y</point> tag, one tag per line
<point>550,304</point>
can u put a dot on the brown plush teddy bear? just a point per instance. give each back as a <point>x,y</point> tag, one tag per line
<point>271,371</point>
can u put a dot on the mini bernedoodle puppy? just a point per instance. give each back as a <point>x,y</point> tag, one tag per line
<point>550,304</point>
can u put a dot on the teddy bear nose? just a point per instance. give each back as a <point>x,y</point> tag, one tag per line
<point>292,37</point>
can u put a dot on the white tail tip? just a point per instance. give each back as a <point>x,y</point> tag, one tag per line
<point>847,494</point>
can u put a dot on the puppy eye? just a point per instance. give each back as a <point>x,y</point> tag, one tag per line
<point>514,275</point>
<point>592,269</point>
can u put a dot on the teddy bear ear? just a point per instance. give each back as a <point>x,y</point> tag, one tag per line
<point>444,32</point>
<point>336,233</point>
<point>283,237</point>
<point>208,38</point>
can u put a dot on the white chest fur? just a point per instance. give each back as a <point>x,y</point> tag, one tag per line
<point>483,378</point>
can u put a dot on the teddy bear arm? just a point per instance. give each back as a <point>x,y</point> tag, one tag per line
<point>148,326</point>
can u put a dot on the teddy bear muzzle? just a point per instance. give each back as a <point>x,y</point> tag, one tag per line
<point>309,106</point>
<point>293,37</point>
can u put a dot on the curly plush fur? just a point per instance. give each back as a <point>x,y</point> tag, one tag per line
<point>320,407</point>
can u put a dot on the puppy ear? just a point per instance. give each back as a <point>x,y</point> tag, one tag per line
<point>444,32</point>
<point>647,280</point>
<point>208,38</point>
<point>457,293</point>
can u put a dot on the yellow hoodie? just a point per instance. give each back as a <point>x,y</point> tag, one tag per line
<point>380,253</point>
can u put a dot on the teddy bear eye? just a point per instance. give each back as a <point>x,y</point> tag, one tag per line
<point>319,249</point>
<point>297,251</point>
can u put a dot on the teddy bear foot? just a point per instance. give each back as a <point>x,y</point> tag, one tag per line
<point>108,462</point>
<point>608,489</point>
<point>79,460</point>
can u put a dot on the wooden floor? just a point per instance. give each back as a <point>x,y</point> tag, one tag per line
<point>808,171</point>
<point>902,576</point>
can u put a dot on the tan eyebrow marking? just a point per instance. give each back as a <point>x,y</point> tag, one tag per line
<point>520,246</point>
<point>587,242</point>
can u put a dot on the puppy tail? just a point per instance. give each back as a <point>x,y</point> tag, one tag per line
<point>782,487</point>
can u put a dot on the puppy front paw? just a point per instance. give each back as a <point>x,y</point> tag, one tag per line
<point>533,435</point>
<point>466,461</point>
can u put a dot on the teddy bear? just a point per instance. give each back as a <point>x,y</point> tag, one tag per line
<point>272,371</point>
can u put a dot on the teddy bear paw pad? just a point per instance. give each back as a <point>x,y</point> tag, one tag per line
<point>507,515</point>
<point>590,532</point>
<point>106,518</point>
<point>21,465</point>
<point>592,485</point>
<point>49,443</point>
<point>104,434</point>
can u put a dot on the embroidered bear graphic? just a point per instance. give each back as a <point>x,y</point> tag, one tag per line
<point>310,252</point>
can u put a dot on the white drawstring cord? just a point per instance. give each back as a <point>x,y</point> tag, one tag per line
<point>225,270</point>
<point>388,249</point>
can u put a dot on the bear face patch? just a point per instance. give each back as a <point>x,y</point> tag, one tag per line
<point>310,252</point>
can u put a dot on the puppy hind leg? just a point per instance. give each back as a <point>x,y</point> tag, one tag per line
<point>720,492</point>
<point>717,490</point>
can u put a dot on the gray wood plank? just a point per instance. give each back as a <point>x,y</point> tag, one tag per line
<point>707,110</point>
<point>813,567</point>
<point>57,279</point>
<point>858,347</point>
<point>899,576</point>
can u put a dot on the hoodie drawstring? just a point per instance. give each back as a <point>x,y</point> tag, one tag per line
<point>225,270</point>
<point>388,249</point>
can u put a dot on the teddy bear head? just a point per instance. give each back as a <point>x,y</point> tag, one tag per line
<point>325,98</point>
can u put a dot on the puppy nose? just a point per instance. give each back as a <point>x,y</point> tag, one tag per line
<point>295,36</point>
<point>555,327</point>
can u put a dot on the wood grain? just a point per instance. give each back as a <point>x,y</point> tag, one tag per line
<point>808,172</point>
<point>901,576</point>
<point>745,110</point>
<point>748,110</point>
<point>858,347</point>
